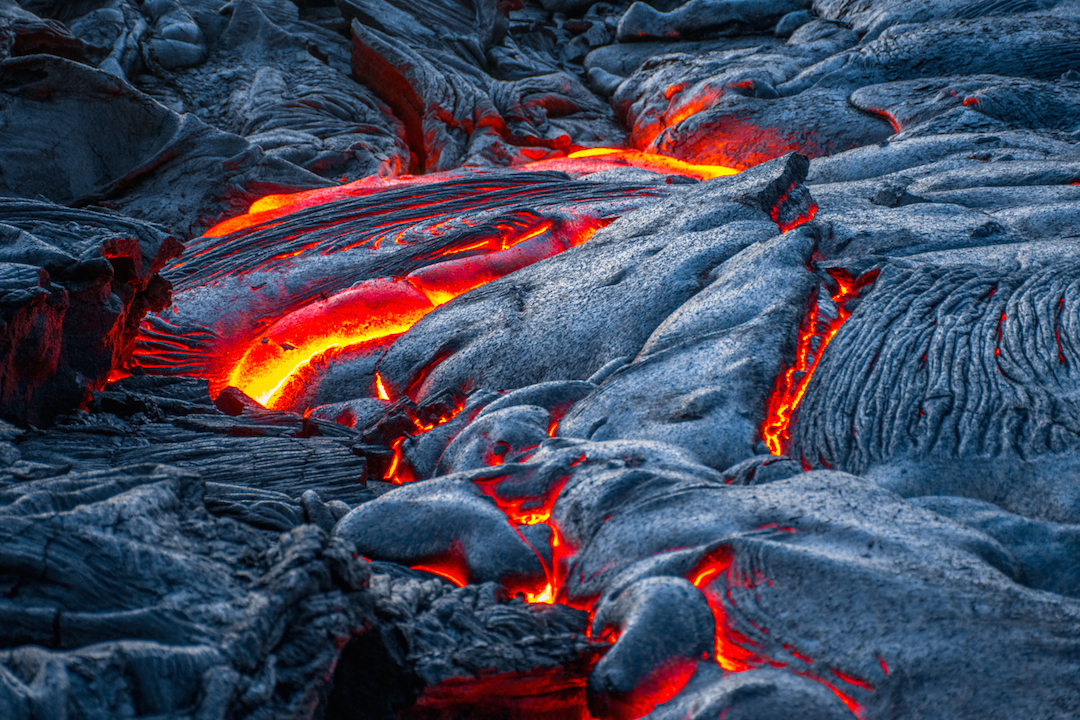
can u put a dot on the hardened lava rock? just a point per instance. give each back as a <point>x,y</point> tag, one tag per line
<point>491,421</point>
<point>76,285</point>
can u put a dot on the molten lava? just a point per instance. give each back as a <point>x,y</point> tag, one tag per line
<point>370,311</point>
<point>659,686</point>
<point>815,334</point>
<point>790,223</point>
<point>715,574</point>
<point>546,693</point>
<point>456,230</point>
<point>576,164</point>
<point>534,511</point>
<point>377,309</point>
<point>450,565</point>
<point>593,160</point>
<point>731,653</point>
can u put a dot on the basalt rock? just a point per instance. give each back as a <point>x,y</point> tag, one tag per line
<point>870,19</point>
<point>77,284</point>
<point>703,17</point>
<point>652,262</point>
<point>141,150</point>
<point>933,49</point>
<point>795,441</point>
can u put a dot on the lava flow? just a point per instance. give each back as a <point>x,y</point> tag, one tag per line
<point>521,511</point>
<point>264,299</point>
<point>716,570</point>
<point>815,334</point>
<point>379,308</point>
<point>576,164</point>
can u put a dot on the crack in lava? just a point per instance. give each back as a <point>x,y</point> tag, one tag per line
<point>815,334</point>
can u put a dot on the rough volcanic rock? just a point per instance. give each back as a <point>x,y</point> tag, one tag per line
<point>77,284</point>
<point>284,85</point>
<point>953,47</point>
<point>704,17</point>
<point>238,603</point>
<point>138,157</point>
<point>651,262</point>
<point>798,441</point>
<point>870,19</point>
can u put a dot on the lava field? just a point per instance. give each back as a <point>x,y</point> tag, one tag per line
<point>539,360</point>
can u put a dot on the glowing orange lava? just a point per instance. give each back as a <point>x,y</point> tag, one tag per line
<point>399,471</point>
<point>380,388</point>
<point>731,653</point>
<point>376,309</point>
<point>716,571</point>
<point>271,207</point>
<point>372,310</point>
<point>597,159</point>
<point>534,511</point>
<point>815,334</point>
<point>798,220</point>
<point>450,565</point>
<point>659,686</point>
<point>578,163</point>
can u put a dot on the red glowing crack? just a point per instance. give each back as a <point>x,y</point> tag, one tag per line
<point>815,334</point>
<point>717,570</point>
<point>534,511</point>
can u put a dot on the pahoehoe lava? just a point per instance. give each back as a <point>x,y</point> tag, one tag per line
<point>539,359</point>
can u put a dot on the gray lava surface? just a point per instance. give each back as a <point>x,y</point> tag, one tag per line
<point>491,422</point>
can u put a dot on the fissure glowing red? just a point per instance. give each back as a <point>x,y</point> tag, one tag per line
<point>815,334</point>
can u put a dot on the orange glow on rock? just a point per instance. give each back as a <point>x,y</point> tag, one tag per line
<point>796,654</point>
<point>584,162</point>
<point>577,163</point>
<point>731,653</point>
<point>372,310</point>
<point>645,129</point>
<point>797,221</point>
<point>380,388</point>
<point>1057,335</point>
<point>442,572</point>
<point>997,346</point>
<point>849,702</point>
<point>735,143</point>
<point>852,680</point>
<point>522,510</point>
<point>545,596</point>
<point>450,565</point>
<point>395,462</point>
<point>534,511</point>
<point>444,281</point>
<point>815,334</point>
<point>662,684</point>
<point>272,207</point>
<point>546,693</point>
<point>376,309</point>
<point>119,374</point>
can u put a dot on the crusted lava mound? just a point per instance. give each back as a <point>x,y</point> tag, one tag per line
<point>365,359</point>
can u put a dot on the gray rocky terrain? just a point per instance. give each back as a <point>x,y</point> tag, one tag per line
<point>371,359</point>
